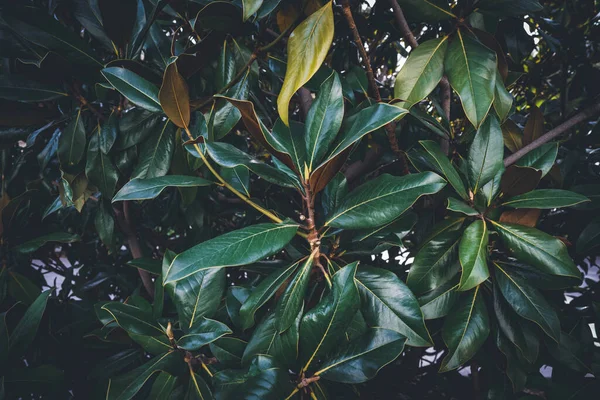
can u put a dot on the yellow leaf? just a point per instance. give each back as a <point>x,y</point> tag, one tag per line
<point>174,97</point>
<point>307,48</point>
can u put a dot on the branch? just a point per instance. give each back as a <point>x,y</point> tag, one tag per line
<point>391,127</point>
<point>402,24</point>
<point>565,126</point>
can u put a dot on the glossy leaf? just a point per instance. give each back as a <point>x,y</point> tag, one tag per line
<point>541,158</point>
<point>133,319</point>
<point>174,96</point>
<point>323,120</point>
<point>465,330</point>
<point>386,302</point>
<point>513,138</point>
<point>306,48</point>
<point>444,165</point>
<point>198,389</point>
<point>18,88</point>
<point>71,145</point>
<point>382,200</point>
<point>109,133</point>
<point>421,72</point>
<point>99,168</point>
<point>545,199</point>
<point>321,326</point>
<point>439,302</point>
<point>429,10</point>
<point>137,89</point>
<point>25,331</point>
<point>472,253</point>
<point>431,266</point>
<point>471,70</point>
<point>362,358</point>
<point>589,237</point>
<point>145,189</point>
<point>503,100</point>
<point>201,333</point>
<point>156,152</point>
<point>58,237</point>
<point>461,207</point>
<point>263,292</point>
<point>538,249</point>
<point>228,350</point>
<point>250,7</point>
<point>292,299</point>
<point>125,386</point>
<point>267,339</point>
<point>240,247</point>
<point>228,156</point>
<point>485,153</point>
<point>527,301</point>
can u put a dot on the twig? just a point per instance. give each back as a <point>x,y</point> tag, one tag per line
<point>402,24</point>
<point>565,126</point>
<point>374,89</point>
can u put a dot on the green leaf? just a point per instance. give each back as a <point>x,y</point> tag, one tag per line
<point>427,10</point>
<point>263,292</point>
<point>156,153</point>
<point>127,385</point>
<point>147,264</point>
<point>361,359</point>
<point>322,326</point>
<point>290,140</point>
<point>162,386</point>
<point>504,8</point>
<point>541,158</point>
<point>538,249</point>
<point>228,156</point>
<point>472,253</point>
<point>99,168</point>
<point>440,160</point>
<point>109,133</point>
<point>389,195</point>
<point>250,7</point>
<point>145,189</point>
<point>363,122</point>
<point>202,332</point>
<point>485,153</point>
<point>174,96</point>
<point>71,145</point>
<point>25,331</point>
<point>545,199</point>
<point>465,330</point>
<point>135,126</point>
<point>421,72</point>
<point>471,70</point>
<point>137,89</point>
<point>527,301</point>
<point>59,237</point>
<point>324,120</point>
<point>267,339</point>
<point>240,247</point>
<point>589,237</point>
<point>307,48</point>
<point>105,226</point>
<point>16,88</point>
<point>199,295</point>
<point>503,100</point>
<point>228,350</point>
<point>133,319</point>
<point>292,299</point>
<point>461,207</point>
<point>386,302</point>
<point>432,264</point>
<point>198,389</point>
<point>570,352</point>
<point>438,302</point>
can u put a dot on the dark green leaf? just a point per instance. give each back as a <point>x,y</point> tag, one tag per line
<point>545,199</point>
<point>460,207</point>
<point>322,326</point>
<point>71,145</point>
<point>292,299</point>
<point>428,10</point>
<point>198,389</point>
<point>137,89</point>
<point>444,166</point>
<point>528,302</point>
<point>132,319</point>
<point>16,88</point>
<point>201,333</point>
<point>361,359</point>
<point>485,153</point>
<point>99,168</point>
<point>25,331</point>
<point>541,158</point>
<point>144,189</point>
<point>471,70</point>
<point>34,244</point>
<point>240,247</point>
<point>465,330</point>
<point>228,350</point>
<point>156,153</point>
<point>162,386</point>
<point>537,248</point>
<point>389,195</point>
<point>472,253</point>
<point>438,302</point>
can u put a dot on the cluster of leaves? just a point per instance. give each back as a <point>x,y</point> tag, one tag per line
<point>188,170</point>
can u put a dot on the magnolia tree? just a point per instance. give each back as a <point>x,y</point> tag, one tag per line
<point>299,199</point>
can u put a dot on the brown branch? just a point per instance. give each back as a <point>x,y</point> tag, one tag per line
<point>124,220</point>
<point>554,133</point>
<point>402,24</point>
<point>305,100</point>
<point>374,89</point>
